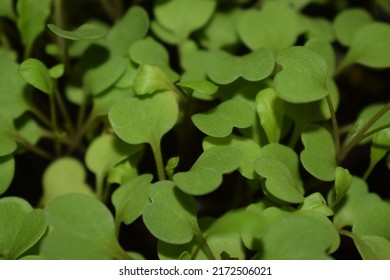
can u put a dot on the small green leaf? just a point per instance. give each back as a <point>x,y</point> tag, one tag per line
<point>224,68</point>
<point>63,176</point>
<point>370,46</point>
<point>325,49</point>
<point>172,163</point>
<point>31,19</point>
<point>193,61</point>
<point>341,186</point>
<point>171,216</point>
<point>8,144</point>
<point>87,31</point>
<point>149,51</point>
<point>220,121</point>
<point>82,228</point>
<point>372,247</point>
<point>132,27</point>
<point>182,17</point>
<point>300,235</point>
<point>348,22</point>
<point>219,32</point>
<point>146,119</point>
<point>7,170</point>
<point>279,181</point>
<point>303,77</point>
<point>249,149</point>
<point>34,72</point>
<point>106,151</point>
<point>316,203</point>
<point>131,199</point>
<point>366,212</point>
<point>200,88</point>
<point>379,148</point>
<point>151,79</point>
<point>21,227</point>
<point>270,110</point>
<point>205,175</point>
<point>319,155</point>
<point>101,68</point>
<point>316,28</point>
<point>57,71</point>
<point>275,26</point>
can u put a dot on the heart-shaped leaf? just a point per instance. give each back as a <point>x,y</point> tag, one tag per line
<point>31,20</point>
<point>14,98</point>
<point>120,38</point>
<point>131,199</point>
<point>206,174</point>
<point>303,77</point>
<point>224,68</point>
<point>348,22</point>
<point>183,16</point>
<point>106,151</point>
<point>87,31</point>
<point>171,216</point>
<point>372,247</point>
<point>249,149</point>
<point>149,51</point>
<point>82,228</point>
<point>146,119</point>
<point>65,175</point>
<point>220,121</point>
<point>369,46</point>
<point>299,235</point>
<point>218,32</point>
<point>319,155</point>
<point>316,203</point>
<point>341,186</point>
<point>7,170</point>
<point>101,68</point>
<point>279,182</point>
<point>20,227</point>
<point>270,110</point>
<point>366,212</point>
<point>34,72</point>
<point>283,182</point>
<point>275,26</point>
<point>151,79</point>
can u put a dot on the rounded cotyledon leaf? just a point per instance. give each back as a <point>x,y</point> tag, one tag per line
<point>106,151</point>
<point>183,16</point>
<point>171,215</point>
<point>224,68</point>
<point>369,46</point>
<point>146,119</point>
<point>220,121</point>
<point>348,22</point>
<point>206,174</point>
<point>249,148</point>
<point>87,31</point>
<point>7,170</point>
<point>62,176</point>
<point>319,154</point>
<point>303,75</point>
<point>151,79</point>
<point>372,247</point>
<point>275,26</point>
<point>21,227</point>
<point>82,228</point>
<point>131,198</point>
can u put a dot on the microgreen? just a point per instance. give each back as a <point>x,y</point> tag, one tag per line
<point>217,129</point>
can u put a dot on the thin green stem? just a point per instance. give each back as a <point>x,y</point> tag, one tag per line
<point>203,244</point>
<point>76,139</point>
<point>336,131</point>
<point>61,42</point>
<point>41,117</point>
<point>376,130</point>
<point>159,160</point>
<point>53,116</point>
<point>295,135</point>
<point>33,148</point>
<point>349,143</point>
<point>64,110</point>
